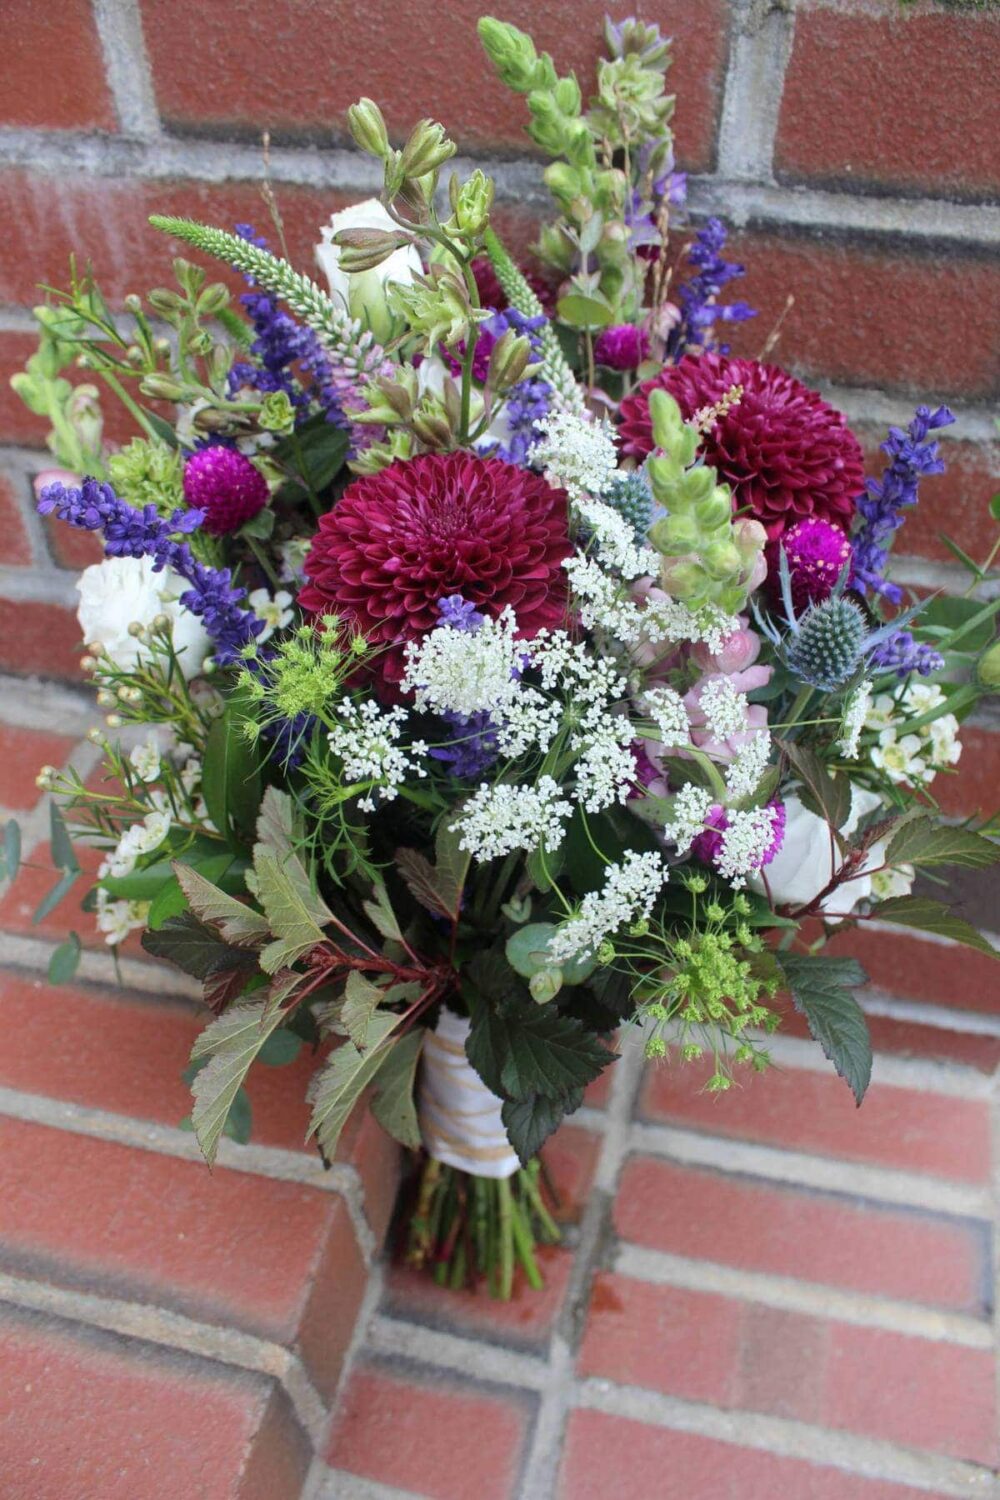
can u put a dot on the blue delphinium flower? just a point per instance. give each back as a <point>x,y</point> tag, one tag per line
<point>885,501</point>
<point>130,532</point>
<point>698,297</point>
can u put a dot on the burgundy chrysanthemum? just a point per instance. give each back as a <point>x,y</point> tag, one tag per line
<point>444,523</point>
<point>817,552</point>
<point>226,486</point>
<point>786,452</point>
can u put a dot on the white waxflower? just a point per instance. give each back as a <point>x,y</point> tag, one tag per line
<point>921,698</point>
<point>892,882</point>
<point>882,712</point>
<point>140,838</point>
<point>276,612</point>
<point>945,745</point>
<point>122,591</point>
<point>499,819</point>
<point>691,807</point>
<point>145,761</point>
<point>577,454</point>
<point>367,741</point>
<point>853,720</point>
<point>628,895</point>
<point>116,919</point>
<point>900,758</point>
<point>464,671</point>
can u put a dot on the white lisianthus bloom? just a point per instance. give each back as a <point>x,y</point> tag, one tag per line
<point>362,293</point>
<point>121,591</point>
<point>808,858</point>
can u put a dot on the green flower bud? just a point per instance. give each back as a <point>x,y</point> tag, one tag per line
<point>668,422</point>
<point>513,54</point>
<point>367,126</point>
<point>364,249</point>
<point>509,360</point>
<point>432,430</point>
<point>162,388</point>
<point>427,149</point>
<point>545,985</point>
<point>277,414</point>
<point>715,509</point>
<point>722,560</point>
<point>213,299</point>
<point>473,202</point>
<point>988,668</point>
<point>563,181</point>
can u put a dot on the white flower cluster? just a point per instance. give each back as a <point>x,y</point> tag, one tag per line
<point>745,841</point>
<point>628,895</point>
<point>612,540</point>
<point>853,719</point>
<point>145,760</point>
<point>368,742</point>
<point>913,755</point>
<point>670,620</point>
<point>116,919</point>
<point>691,807</point>
<point>466,671</point>
<point>576,453</point>
<point>276,611</point>
<point>141,838</point>
<point>744,771</point>
<point>724,708</point>
<point>667,711</point>
<point>601,736</point>
<point>499,819</point>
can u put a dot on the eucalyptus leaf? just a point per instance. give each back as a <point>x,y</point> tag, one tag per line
<point>11,848</point>
<point>61,845</point>
<point>65,960</point>
<point>51,901</point>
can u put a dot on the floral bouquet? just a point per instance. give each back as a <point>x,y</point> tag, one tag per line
<point>499,662</point>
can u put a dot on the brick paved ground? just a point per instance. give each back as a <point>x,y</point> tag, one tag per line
<point>764,1294</point>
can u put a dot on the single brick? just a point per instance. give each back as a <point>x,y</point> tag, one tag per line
<point>446,70</point>
<point>39,638</point>
<point>525,1322</point>
<point>735,1354</point>
<point>89,1414</point>
<point>840,119</point>
<point>860,313</point>
<point>898,1127</point>
<point>23,752</point>
<point>16,544</point>
<point>429,1434</point>
<point>915,968</point>
<point>674,1465</point>
<point>815,1237</point>
<point>51,69</point>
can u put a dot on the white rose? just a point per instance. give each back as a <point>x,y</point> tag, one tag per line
<point>362,293</point>
<point>122,590</point>
<point>808,858</point>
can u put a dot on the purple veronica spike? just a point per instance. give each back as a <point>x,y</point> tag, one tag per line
<point>885,500</point>
<point>698,297</point>
<point>901,654</point>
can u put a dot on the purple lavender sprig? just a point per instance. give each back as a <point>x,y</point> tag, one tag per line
<point>698,297</point>
<point>130,532</point>
<point>902,654</point>
<point>885,501</point>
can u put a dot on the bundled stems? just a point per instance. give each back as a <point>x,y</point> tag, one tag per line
<point>465,1228</point>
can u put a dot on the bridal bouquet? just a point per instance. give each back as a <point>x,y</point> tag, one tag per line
<point>493,661</point>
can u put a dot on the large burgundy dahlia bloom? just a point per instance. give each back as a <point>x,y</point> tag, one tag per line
<point>425,528</point>
<point>786,452</point>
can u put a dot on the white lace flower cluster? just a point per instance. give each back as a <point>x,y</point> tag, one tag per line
<point>691,807</point>
<point>611,540</point>
<point>909,751</point>
<point>667,711</point>
<point>628,895</point>
<point>466,671</point>
<point>724,708</point>
<point>853,720</point>
<point>367,740</point>
<point>499,819</point>
<point>576,454</point>
<point>745,840</point>
<point>745,770</point>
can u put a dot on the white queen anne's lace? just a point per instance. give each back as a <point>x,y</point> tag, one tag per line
<point>629,893</point>
<point>690,809</point>
<point>463,671</point>
<point>499,819</point>
<point>368,742</point>
<point>576,453</point>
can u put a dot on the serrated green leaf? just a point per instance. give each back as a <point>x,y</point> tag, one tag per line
<point>343,1079</point>
<point>195,948</point>
<point>11,848</point>
<point>276,821</point>
<point>279,987</point>
<point>361,1000</point>
<point>381,915</point>
<point>295,914</point>
<point>533,1051</point>
<point>393,1103</point>
<point>169,901</point>
<point>530,1121</point>
<point>821,989</point>
<point>922,841</point>
<point>237,923</point>
<point>826,794</point>
<point>231,1043</point>
<point>933,916</point>
<point>65,960</point>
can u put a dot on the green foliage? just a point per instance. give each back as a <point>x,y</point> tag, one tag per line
<point>933,916</point>
<point>519,294</point>
<point>821,989</point>
<point>280,882</point>
<point>438,887</point>
<point>10,850</point>
<point>530,1121</point>
<point>339,1085</point>
<point>237,923</point>
<point>524,1050</point>
<point>393,1104</point>
<point>923,841</point>
<point>824,792</point>
<point>201,952</point>
<point>65,960</point>
<point>230,779</point>
<point>230,1046</point>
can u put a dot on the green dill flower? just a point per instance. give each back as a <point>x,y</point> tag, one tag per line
<point>148,473</point>
<point>306,671</point>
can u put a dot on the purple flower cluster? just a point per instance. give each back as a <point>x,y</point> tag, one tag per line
<point>280,344</point>
<point>885,500</point>
<point>130,532</point>
<point>528,401</point>
<point>700,309</point>
<point>901,654</point>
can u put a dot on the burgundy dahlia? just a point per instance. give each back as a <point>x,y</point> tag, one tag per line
<point>226,486</point>
<point>785,451</point>
<point>817,552</point>
<point>622,347</point>
<point>444,523</point>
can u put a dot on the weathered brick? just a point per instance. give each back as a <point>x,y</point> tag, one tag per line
<point>39,638</point>
<point>841,118</point>
<point>898,1127</point>
<point>861,310</point>
<point>23,752</point>
<point>916,968</point>
<point>431,1435</point>
<point>974,786</point>
<point>601,1449</point>
<point>16,544</point>
<point>819,1237</point>
<point>525,1322</point>
<point>446,74</point>
<point>51,69</point>
<point>86,1413</point>
<point>955,502</point>
<point>735,1354</point>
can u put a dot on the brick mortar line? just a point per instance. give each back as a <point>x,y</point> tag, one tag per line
<point>760,47</point>
<point>995,1133</point>
<point>339,1484</point>
<point>518,180</point>
<point>272,1162</point>
<point>880,1185</point>
<point>126,65</point>
<point>398,1337</point>
<point>832,1448</point>
<point>138,977</point>
<point>170,1330</point>
<point>787,1294</point>
<point>953,1080</point>
<point>925,1013</point>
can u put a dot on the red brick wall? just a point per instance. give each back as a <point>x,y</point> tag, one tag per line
<point>847,142</point>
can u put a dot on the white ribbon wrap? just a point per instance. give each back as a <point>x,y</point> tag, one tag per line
<point>459,1116</point>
